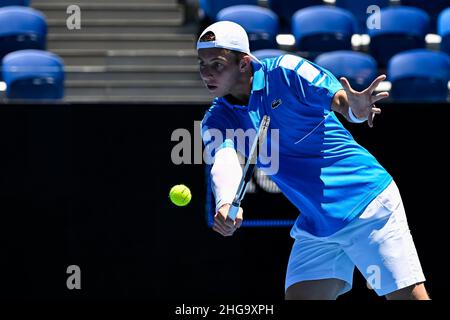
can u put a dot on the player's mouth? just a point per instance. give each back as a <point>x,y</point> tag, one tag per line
<point>211,87</point>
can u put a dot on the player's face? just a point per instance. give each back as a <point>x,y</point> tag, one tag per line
<point>219,70</point>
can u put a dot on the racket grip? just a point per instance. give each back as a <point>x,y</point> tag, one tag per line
<point>234,209</point>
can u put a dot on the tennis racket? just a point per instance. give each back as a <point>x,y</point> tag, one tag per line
<point>249,167</point>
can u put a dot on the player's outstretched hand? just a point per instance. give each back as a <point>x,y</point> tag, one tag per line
<point>225,225</point>
<point>363,103</point>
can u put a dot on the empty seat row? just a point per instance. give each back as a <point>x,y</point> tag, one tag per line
<point>285,9</point>
<point>325,28</point>
<point>28,71</point>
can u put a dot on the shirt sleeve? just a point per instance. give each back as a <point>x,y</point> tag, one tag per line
<point>314,85</point>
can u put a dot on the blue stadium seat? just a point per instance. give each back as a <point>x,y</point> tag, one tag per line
<point>21,28</point>
<point>402,28</point>
<point>360,69</point>
<point>432,7</point>
<point>419,75</point>
<point>429,6</point>
<point>323,28</point>
<point>359,10</point>
<point>33,74</point>
<point>268,53</point>
<point>260,23</point>
<point>211,8</point>
<point>444,30</point>
<point>5,3</point>
<point>286,8</point>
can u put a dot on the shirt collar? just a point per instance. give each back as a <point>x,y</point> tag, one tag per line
<point>259,82</point>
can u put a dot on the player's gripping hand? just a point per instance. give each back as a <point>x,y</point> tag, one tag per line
<point>225,225</point>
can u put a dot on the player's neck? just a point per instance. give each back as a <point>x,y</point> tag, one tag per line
<point>240,94</point>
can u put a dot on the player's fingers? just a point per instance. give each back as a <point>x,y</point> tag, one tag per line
<point>383,94</point>
<point>219,219</point>
<point>227,224</point>
<point>220,216</point>
<point>376,110</point>
<point>380,96</point>
<point>223,230</point>
<point>345,84</point>
<point>375,83</point>
<point>239,218</point>
<point>222,224</point>
<point>218,229</point>
<point>370,119</point>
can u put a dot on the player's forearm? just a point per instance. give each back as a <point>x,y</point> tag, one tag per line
<point>226,174</point>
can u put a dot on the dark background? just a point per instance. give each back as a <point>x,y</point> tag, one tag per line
<point>88,185</point>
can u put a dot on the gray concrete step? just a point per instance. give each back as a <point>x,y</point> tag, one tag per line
<point>117,26</point>
<point>156,99</point>
<point>61,28</point>
<point>127,57</point>
<point>134,83</point>
<point>132,73</point>
<point>120,41</point>
<point>123,11</point>
<point>135,88</point>
<point>119,23</point>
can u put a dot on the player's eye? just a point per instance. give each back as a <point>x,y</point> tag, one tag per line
<point>218,66</point>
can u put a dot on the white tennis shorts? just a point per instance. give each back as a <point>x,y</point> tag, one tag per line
<point>378,243</point>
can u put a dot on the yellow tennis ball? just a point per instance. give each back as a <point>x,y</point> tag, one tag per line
<point>180,195</point>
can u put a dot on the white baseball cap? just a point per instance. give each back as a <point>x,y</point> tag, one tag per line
<point>229,35</point>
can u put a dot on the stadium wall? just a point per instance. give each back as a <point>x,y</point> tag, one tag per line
<point>88,185</point>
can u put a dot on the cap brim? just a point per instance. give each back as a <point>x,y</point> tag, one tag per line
<point>214,44</point>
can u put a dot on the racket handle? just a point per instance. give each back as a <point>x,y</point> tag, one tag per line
<point>234,209</point>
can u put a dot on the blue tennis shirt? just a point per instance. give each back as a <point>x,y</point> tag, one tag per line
<point>322,170</point>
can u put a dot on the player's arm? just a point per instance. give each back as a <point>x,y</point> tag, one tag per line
<point>318,87</point>
<point>226,174</point>
<point>226,171</point>
<point>357,106</point>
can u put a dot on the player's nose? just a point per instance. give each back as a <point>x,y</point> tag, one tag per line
<point>206,74</point>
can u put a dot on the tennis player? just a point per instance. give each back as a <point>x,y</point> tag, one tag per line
<point>351,212</point>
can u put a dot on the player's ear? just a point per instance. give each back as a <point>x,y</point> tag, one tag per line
<point>244,63</point>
